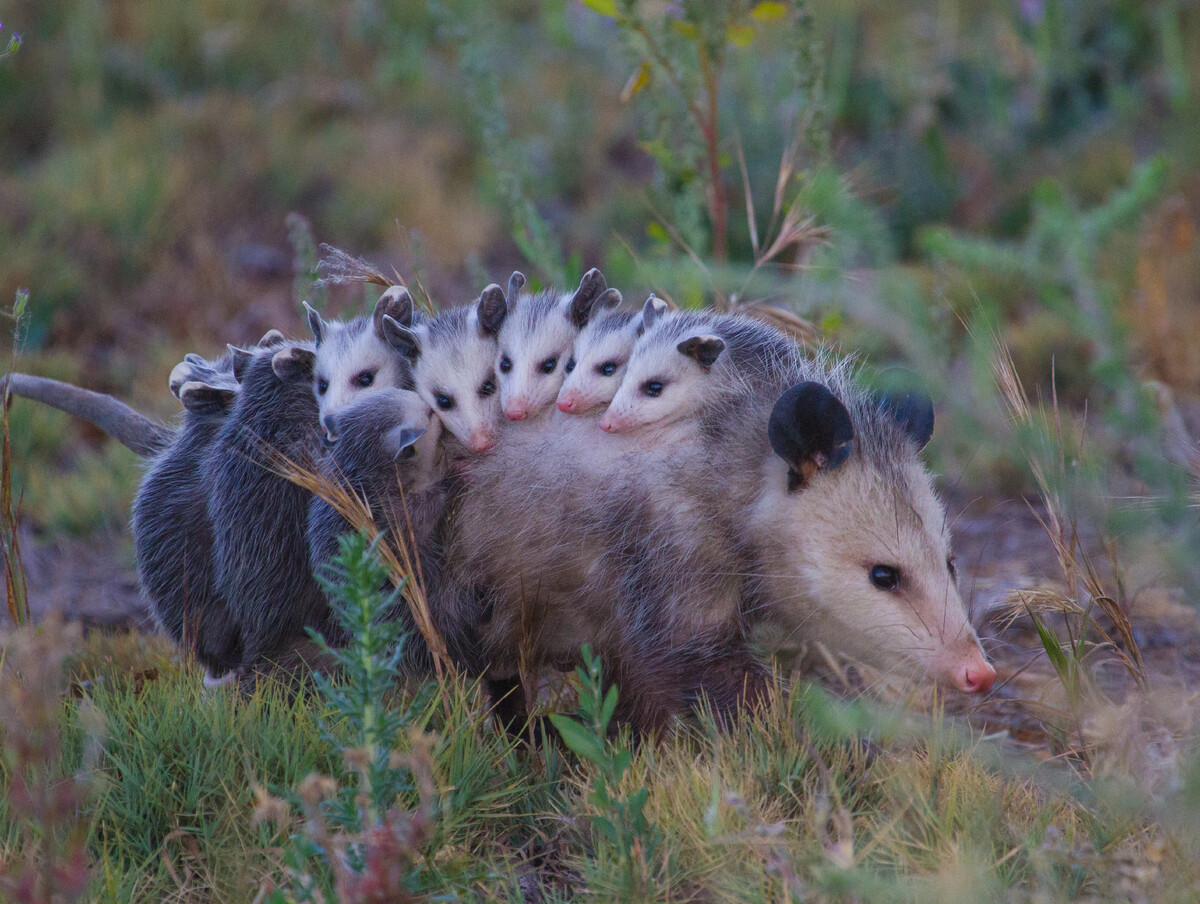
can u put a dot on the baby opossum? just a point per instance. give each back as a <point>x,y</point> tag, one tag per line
<point>801,508</point>
<point>597,365</point>
<point>355,357</point>
<point>684,361</point>
<point>453,364</point>
<point>258,516</point>
<point>386,450</point>
<point>535,342</point>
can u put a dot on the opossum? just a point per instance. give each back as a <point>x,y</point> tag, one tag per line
<point>597,364</point>
<point>799,508</point>
<point>684,361</point>
<point>258,516</point>
<point>453,365</point>
<point>386,450</point>
<point>353,358</point>
<point>535,342</point>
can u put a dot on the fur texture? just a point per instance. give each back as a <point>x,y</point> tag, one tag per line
<point>598,361</point>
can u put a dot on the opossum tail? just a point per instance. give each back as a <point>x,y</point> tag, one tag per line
<point>118,420</point>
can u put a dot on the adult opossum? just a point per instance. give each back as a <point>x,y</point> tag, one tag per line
<point>684,361</point>
<point>535,342</point>
<point>453,365</point>
<point>354,357</point>
<point>597,364</point>
<point>800,508</point>
<point>258,516</point>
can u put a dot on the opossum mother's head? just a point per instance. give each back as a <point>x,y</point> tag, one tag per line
<point>858,542</point>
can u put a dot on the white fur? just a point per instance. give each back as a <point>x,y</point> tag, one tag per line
<point>533,336</point>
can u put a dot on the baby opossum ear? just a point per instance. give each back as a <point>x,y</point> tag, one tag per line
<point>582,302</point>
<point>516,283</point>
<point>396,303</point>
<point>653,309</point>
<point>270,337</point>
<point>241,360</point>
<point>400,337</point>
<point>293,365</point>
<point>399,441</point>
<point>315,323</point>
<point>810,430</point>
<point>493,308</point>
<point>705,349</point>
<point>207,398</point>
<point>914,412</point>
<point>191,369</point>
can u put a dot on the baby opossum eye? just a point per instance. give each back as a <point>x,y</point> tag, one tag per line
<point>652,388</point>
<point>547,366</point>
<point>322,386</point>
<point>487,387</point>
<point>445,402</point>
<point>570,365</point>
<point>505,364</point>
<point>365,379</point>
<point>885,577</point>
<point>408,452</point>
<point>608,368</point>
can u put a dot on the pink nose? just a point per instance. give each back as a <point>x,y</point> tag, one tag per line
<point>566,406</point>
<point>481,442</point>
<point>606,426</point>
<point>516,412</point>
<point>977,678</point>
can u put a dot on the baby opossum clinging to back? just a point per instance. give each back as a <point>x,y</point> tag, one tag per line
<point>684,361</point>
<point>801,509</point>
<point>597,364</point>
<point>354,357</point>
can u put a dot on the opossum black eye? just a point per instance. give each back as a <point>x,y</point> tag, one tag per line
<point>547,366</point>
<point>445,402</point>
<point>365,379</point>
<point>570,365</point>
<point>408,452</point>
<point>505,364</point>
<point>322,386</point>
<point>885,577</point>
<point>652,388</point>
<point>487,387</point>
<point>608,368</point>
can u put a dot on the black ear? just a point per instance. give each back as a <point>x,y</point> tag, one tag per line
<point>396,303</point>
<point>207,398</point>
<point>810,430</point>
<point>241,360</point>
<point>653,309</point>
<point>271,337</point>
<point>492,307</point>
<point>315,323</point>
<point>400,337</point>
<point>705,349</point>
<point>399,441</point>
<point>516,283</point>
<point>914,412</point>
<point>293,364</point>
<point>584,299</point>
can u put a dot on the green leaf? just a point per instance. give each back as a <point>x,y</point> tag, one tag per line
<point>740,35</point>
<point>1054,650</point>
<point>769,11</point>
<point>578,738</point>
<point>639,80</point>
<point>657,232</point>
<point>609,707</point>
<point>605,827</point>
<point>606,8</point>
<point>687,29</point>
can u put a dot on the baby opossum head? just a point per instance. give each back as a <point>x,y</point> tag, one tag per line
<point>355,358</point>
<point>597,365</point>
<point>536,341</point>
<point>390,426</point>
<point>453,365</point>
<point>669,374</point>
<point>858,542</point>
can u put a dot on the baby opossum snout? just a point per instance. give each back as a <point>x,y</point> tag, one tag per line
<point>860,528</point>
<point>535,344</point>
<point>355,358</point>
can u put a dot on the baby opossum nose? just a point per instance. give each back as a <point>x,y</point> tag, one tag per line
<point>482,440</point>
<point>516,412</point>
<point>567,405</point>
<point>977,678</point>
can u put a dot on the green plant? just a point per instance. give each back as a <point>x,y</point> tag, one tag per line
<point>14,44</point>
<point>17,592</point>
<point>627,835</point>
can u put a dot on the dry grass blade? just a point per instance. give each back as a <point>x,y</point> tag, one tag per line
<point>338,268</point>
<point>751,218</point>
<point>393,550</point>
<point>803,331</point>
<point>15,585</point>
